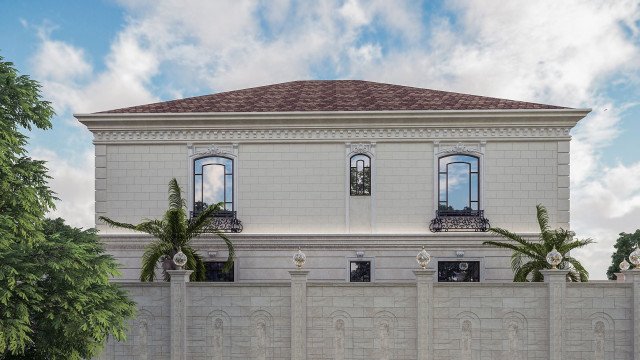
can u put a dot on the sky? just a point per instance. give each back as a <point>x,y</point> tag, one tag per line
<point>104,54</point>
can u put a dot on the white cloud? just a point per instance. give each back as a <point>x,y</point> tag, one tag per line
<point>73,182</point>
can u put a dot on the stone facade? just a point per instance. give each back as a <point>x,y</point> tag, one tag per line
<point>418,320</point>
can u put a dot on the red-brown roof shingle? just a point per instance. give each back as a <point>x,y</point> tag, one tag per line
<point>331,95</point>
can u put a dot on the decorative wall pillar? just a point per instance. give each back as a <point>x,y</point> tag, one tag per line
<point>424,282</point>
<point>299,314</point>
<point>178,323</point>
<point>634,276</point>
<point>557,280</point>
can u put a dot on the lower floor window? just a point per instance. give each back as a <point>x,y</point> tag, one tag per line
<point>360,271</point>
<point>458,271</point>
<point>213,271</point>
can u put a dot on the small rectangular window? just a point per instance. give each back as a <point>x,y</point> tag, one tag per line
<point>360,271</point>
<point>458,271</point>
<point>213,272</point>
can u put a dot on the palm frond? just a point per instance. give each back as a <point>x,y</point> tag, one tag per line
<point>113,223</point>
<point>200,222</point>
<point>511,236</point>
<point>513,247</point>
<point>543,221</point>
<point>152,254</point>
<point>230,248</point>
<point>582,273</point>
<point>576,244</point>
<point>175,195</point>
<point>195,263</point>
<point>522,275</point>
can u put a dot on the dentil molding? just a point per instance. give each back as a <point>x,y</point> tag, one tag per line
<point>370,134</point>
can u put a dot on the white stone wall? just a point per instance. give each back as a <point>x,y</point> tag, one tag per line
<point>301,188</point>
<point>291,188</point>
<point>267,258</point>
<point>380,321</point>
<point>132,180</point>
<point>149,335</point>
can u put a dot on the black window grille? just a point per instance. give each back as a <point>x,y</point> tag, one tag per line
<point>360,175</point>
<point>459,271</point>
<point>213,272</point>
<point>458,183</point>
<point>360,271</point>
<point>212,183</point>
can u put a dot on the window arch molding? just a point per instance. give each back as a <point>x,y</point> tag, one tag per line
<point>475,150</point>
<point>196,152</point>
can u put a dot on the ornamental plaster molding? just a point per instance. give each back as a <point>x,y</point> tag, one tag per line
<point>459,148</point>
<point>337,134</point>
<point>214,150</point>
<point>360,148</point>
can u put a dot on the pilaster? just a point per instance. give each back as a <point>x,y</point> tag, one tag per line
<point>557,280</point>
<point>634,278</point>
<point>178,330</point>
<point>424,282</point>
<point>298,314</point>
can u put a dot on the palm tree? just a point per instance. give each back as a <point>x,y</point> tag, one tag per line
<point>529,257</point>
<point>174,233</point>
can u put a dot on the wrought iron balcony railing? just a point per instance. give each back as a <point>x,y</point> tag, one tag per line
<point>459,220</point>
<point>224,220</point>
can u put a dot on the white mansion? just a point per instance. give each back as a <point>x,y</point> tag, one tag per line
<point>355,173</point>
<point>359,176</point>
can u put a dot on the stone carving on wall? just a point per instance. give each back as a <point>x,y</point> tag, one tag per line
<point>598,338</point>
<point>142,329</point>
<point>261,324</point>
<point>339,340</point>
<point>514,325</point>
<point>465,341</point>
<point>155,136</point>
<point>218,335</point>
<point>469,335</point>
<point>384,326</point>
<point>602,326</point>
<point>339,328</point>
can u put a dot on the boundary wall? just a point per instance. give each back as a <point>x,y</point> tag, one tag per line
<point>422,320</point>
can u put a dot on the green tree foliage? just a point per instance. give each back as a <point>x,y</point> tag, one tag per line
<point>529,257</point>
<point>62,286</point>
<point>173,233</point>
<point>625,244</point>
<point>24,195</point>
<point>55,299</point>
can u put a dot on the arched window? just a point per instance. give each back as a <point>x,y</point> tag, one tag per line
<point>458,183</point>
<point>212,182</point>
<point>360,177</point>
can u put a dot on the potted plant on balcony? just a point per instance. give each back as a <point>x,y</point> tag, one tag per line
<point>173,233</point>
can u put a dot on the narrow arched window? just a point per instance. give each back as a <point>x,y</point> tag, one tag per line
<point>458,183</point>
<point>360,177</point>
<point>212,182</point>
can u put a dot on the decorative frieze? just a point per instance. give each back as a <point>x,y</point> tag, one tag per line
<point>408,133</point>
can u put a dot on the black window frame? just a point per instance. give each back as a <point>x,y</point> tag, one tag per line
<point>367,277</point>
<point>472,273</point>
<point>443,205</point>
<point>227,277</point>
<point>196,174</point>
<point>355,187</point>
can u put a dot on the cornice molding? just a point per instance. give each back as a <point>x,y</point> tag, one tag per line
<point>318,242</point>
<point>333,134</point>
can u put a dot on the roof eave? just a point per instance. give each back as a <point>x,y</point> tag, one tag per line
<point>565,117</point>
